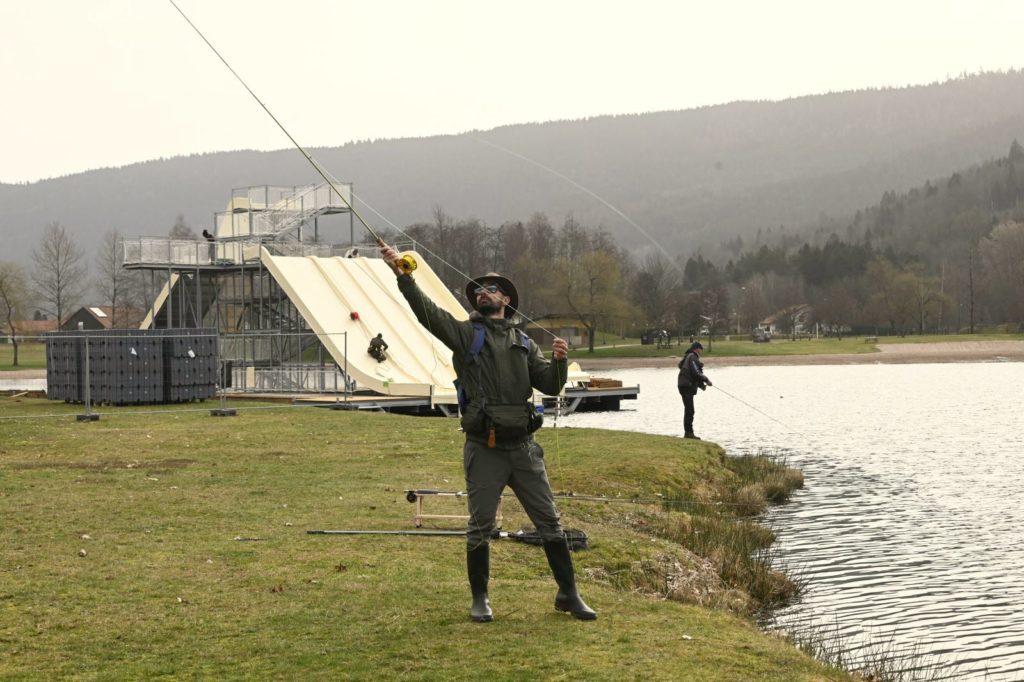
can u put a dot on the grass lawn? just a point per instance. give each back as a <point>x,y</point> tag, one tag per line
<point>157,544</point>
<point>738,348</point>
<point>782,346</point>
<point>30,356</point>
<point>950,338</point>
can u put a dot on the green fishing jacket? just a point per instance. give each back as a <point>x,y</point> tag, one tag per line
<point>498,381</point>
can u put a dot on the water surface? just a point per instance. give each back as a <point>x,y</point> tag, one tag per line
<point>911,526</point>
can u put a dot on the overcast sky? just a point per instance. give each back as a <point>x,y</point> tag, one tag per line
<point>97,83</point>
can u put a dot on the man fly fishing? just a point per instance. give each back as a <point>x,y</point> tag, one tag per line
<point>497,367</point>
<point>691,377</point>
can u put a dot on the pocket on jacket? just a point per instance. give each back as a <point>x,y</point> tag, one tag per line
<point>510,421</point>
<point>473,419</point>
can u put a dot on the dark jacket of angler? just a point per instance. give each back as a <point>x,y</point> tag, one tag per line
<point>691,373</point>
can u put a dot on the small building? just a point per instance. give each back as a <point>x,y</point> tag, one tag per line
<point>568,328</point>
<point>792,320</point>
<point>103,317</point>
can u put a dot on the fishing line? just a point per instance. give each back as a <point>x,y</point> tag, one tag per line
<point>420,246</point>
<point>764,414</point>
<point>309,157</point>
<point>596,196</point>
<point>328,177</point>
<point>331,181</point>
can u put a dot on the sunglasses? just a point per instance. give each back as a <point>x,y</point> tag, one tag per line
<point>489,288</point>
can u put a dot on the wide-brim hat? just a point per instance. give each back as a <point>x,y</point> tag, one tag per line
<point>503,283</point>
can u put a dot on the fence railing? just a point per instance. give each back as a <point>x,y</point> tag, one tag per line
<point>270,211</point>
<point>186,252</point>
<point>165,251</point>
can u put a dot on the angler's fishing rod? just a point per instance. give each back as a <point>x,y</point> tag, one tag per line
<point>577,539</point>
<point>406,262</point>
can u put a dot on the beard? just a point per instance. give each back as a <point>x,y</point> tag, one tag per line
<point>486,308</point>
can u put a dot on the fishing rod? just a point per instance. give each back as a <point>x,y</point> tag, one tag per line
<point>577,539</point>
<point>406,262</point>
<point>413,495</point>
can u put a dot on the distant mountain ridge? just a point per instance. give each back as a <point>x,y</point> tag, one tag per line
<point>693,178</point>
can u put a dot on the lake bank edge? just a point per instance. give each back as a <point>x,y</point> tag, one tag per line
<point>893,353</point>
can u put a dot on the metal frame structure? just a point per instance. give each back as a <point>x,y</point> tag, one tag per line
<point>222,284</point>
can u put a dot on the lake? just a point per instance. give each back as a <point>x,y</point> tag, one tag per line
<point>910,528</point>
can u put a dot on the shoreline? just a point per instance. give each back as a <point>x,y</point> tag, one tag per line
<point>888,353</point>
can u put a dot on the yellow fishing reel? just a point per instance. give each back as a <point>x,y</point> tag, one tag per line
<point>407,263</point>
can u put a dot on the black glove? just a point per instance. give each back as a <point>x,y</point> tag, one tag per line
<point>708,382</point>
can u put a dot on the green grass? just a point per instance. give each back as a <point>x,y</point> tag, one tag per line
<point>780,346</point>
<point>737,348</point>
<point>30,356</point>
<point>166,589</point>
<point>950,338</point>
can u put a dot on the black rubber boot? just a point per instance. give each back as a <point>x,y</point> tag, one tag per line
<point>478,565</point>
<point>568,598</point>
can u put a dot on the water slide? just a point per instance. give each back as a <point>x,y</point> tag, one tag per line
<point>360,296</point>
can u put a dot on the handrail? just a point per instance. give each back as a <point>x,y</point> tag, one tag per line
<point>286,213</point>
<point>225,252</point>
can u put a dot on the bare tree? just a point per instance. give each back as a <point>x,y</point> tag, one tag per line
<point>181,229</point>
<point>59,274</point>
<point>113,281</point>
<point>926,296</point>
<point>653,287</point>
<point>13,297</point>
<point>893,294</point>
<point>835,307</point>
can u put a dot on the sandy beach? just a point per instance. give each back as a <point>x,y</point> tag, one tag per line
<point>888,353</point>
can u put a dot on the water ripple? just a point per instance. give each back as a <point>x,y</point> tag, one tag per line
<point>910,529</point>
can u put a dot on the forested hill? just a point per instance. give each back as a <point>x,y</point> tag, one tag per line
<point>693,179</point>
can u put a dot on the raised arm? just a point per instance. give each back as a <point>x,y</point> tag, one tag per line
<point>549,376</point>
<point>439,322</point>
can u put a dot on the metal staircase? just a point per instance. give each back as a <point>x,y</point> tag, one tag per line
<point>280,212</point>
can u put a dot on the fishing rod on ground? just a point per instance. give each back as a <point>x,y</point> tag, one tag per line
<point>413,495</point>
<point>577,539</point>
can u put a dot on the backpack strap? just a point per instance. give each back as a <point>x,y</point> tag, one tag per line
<point>477,345</point>
<point>471,359</point>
